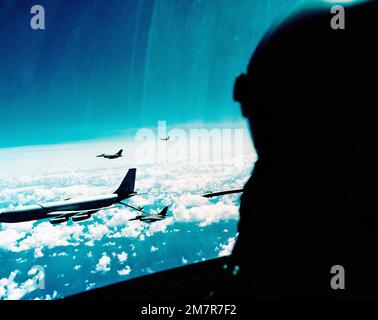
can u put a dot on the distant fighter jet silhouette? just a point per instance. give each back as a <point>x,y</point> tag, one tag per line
<point>165,139</point>
<point>111,156</point>
<point>153,217</point>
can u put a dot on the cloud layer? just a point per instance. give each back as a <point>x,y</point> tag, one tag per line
<point>108,248</point>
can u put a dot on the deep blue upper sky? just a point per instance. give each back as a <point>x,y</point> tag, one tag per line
<point>104,66</point>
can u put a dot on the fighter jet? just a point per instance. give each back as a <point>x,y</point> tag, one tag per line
<point>111,156</point>
<point>165,139</point>
<point>153,217</point>
<point>75,209</point>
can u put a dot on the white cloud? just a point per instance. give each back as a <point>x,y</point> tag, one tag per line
<point>159,226</point>
<point>90,286</point>
<point>125,271</point>
<point>47,235</point>
<point>133,230</point>
<point>226,249</point>
<point>10,289</point>
<point>190,200</point>
<point>21,260</point>
<point>207,214</point>
<point>48,296</point>
<point>119,217</point>
<point>9,239</point>
<point>122,257</point>
<point>90,243</point>
<point>96,231</point>
<point>38,253</point>
<point>103,264</point>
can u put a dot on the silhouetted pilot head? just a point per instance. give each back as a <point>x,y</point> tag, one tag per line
<point>311,91</point>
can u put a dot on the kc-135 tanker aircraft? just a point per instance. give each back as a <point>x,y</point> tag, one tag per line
<point>76,209</point>
<point>83,208</point>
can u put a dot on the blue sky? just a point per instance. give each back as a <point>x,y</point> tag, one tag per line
<point>101,67</point>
